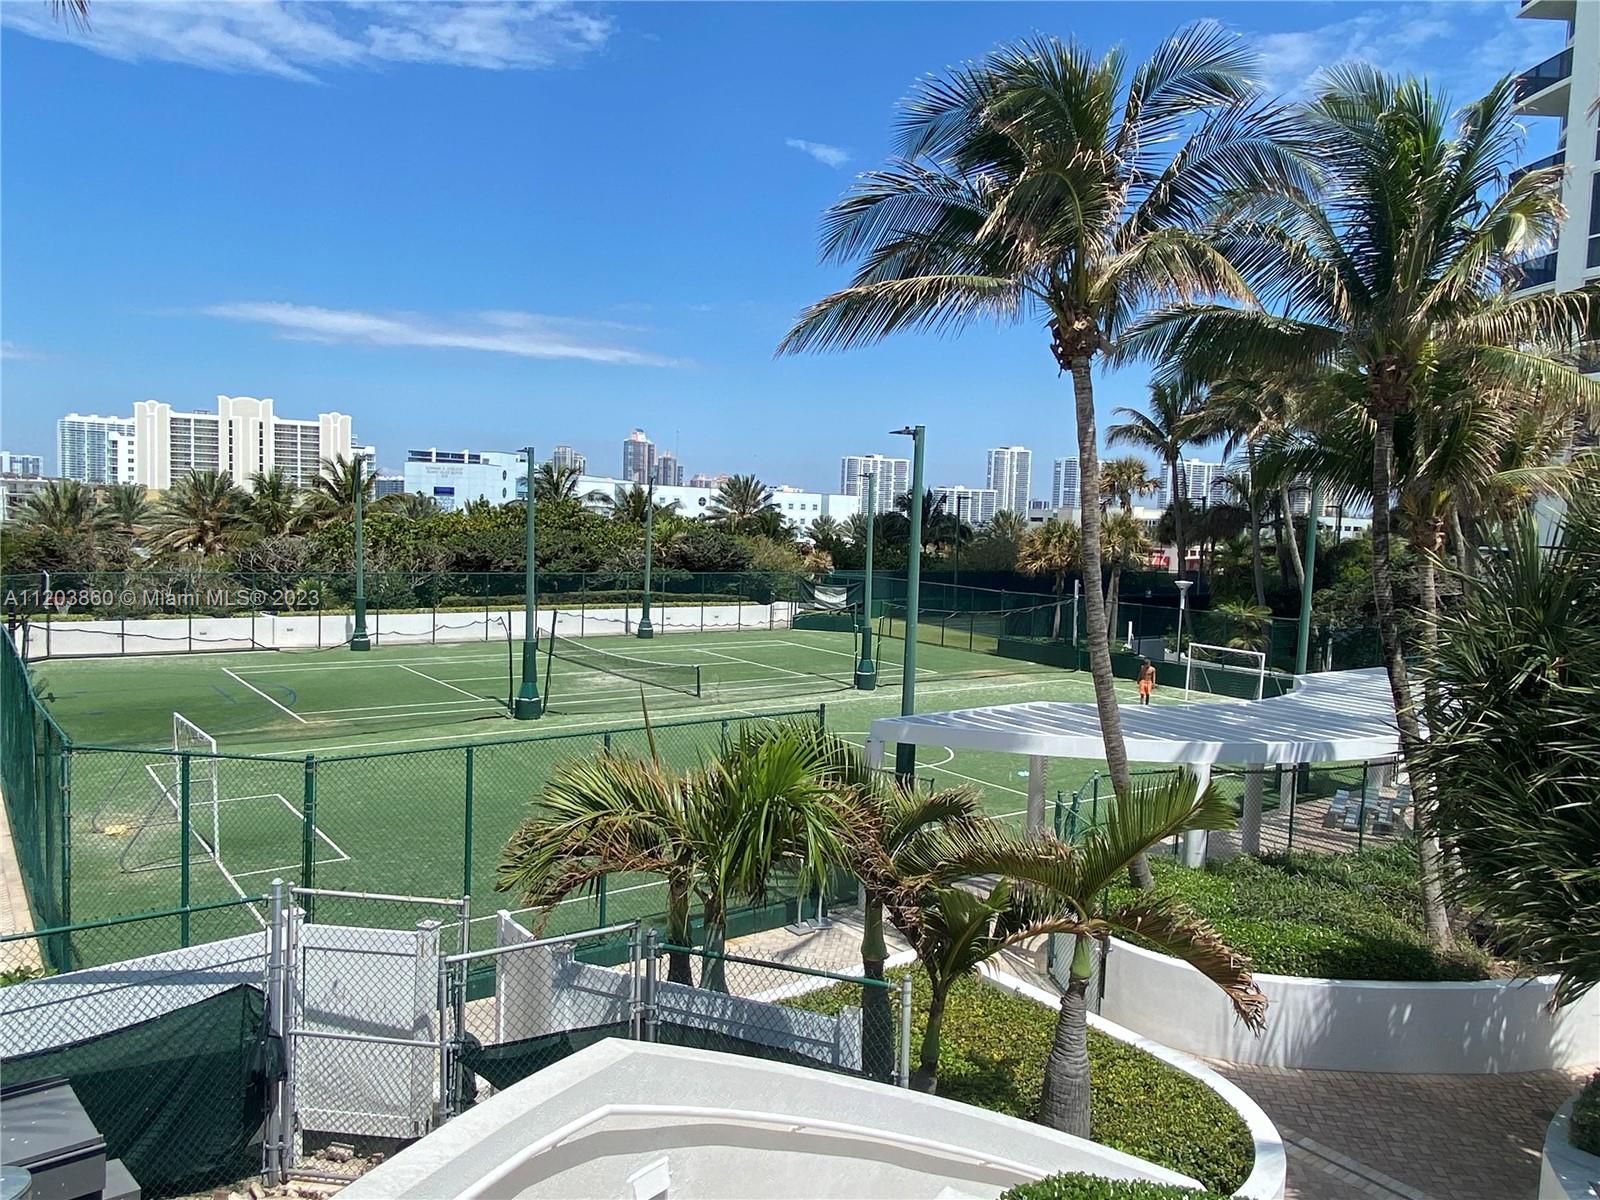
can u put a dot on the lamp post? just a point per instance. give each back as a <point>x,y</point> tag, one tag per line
<point>1183,599</point>
<point>646,630</point>
<point>866,670</point>
<point>956,582</point>
<point>905,754</point>
<point>1303,643</point>
<point>528,706</point>
<point>358,636</point>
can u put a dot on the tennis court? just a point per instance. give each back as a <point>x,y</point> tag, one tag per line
<point>414,775</point>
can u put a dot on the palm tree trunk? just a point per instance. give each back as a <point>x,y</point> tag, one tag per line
<point>1064,1099</point>
<point>713,970</point>
<point>877,1018</point>
<point>1291,540</point>
<point>1177,521</point>
<point>1463,546</point>
<point>1256,563</point>
<point>926,1077</point>
<point>1055,628</point>
<point>678,933</point>
<point>1435,921</point>
<point>1113,598</point>
<point>1105,686</point>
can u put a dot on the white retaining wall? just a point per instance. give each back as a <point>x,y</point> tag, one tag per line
<point>1470,1028</point>
<point>304,631</point>
<point>1565,1172</point>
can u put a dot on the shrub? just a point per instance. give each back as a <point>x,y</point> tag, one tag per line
<point>993,1054</point>
<point>1334,916</point>
<point>1584,1130</point>
<point>1074,1186</point>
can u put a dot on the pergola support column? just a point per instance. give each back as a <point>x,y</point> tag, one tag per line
<point>1192,842</point>
<point>1038,764</point>
<point>1255,785</point>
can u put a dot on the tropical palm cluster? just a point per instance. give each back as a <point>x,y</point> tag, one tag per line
<point>787,801</point>
<point>1330,284</point>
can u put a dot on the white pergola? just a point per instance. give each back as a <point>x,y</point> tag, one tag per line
<point>1337,716</point>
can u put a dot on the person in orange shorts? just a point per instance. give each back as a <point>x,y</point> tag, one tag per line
<point>1147,680</point>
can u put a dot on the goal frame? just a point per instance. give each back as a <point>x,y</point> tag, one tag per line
<point>200,747</point>
<point>1258,656</point>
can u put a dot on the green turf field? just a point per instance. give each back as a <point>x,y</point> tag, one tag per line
<point>390,732</point>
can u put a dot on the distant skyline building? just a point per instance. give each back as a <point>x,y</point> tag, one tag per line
<point>27,466</point>
<point>94,449</point>
<point>893,478</point>
<point>1200,481</point>
<point>1064,483</point>
<point>703,480</point>
<point>975,506</point>
<point>638,458</point>
<point>1010,474</point>
<point>797,506</point>
<point>565,456</point>
<point>668,470</point>
<point>388,485</point>
<point>244,437</point>
<point>455,478</point>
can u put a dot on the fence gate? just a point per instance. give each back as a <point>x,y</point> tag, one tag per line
<point>360,1009</point>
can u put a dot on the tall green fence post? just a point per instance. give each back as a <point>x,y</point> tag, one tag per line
<point>601,920</point>
<point>183,850</point>
<point>308,826</point>
<point>66,835</point>
<point>466,848</point>
<point>1293,796</point>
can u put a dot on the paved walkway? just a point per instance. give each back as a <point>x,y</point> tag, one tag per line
<point>15,916</point>
<point>1408,1137</point>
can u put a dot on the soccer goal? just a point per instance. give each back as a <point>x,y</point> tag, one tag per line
<point>146,807</point>
<point>1224,670</point>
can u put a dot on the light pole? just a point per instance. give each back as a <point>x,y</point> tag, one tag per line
<point>1303,643</point>
<point>528,706</point>
<point>358,636</point>
<point>956,582</point>
<point>905,754</point>
<point>1183,598</point>
<point>646,630</point>
<point>866,670</point>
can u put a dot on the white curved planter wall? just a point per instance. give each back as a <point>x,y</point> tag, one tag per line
<point>1481,1028</point>
<point>1566,1173</point>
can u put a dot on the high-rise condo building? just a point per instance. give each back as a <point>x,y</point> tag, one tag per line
<point>244,437</point>
<point>565,456</point>
<point>1202,481</point>
<point>95,449</point>
<point>703,480</point>
<point>1064,489</point>
<point>893,478</point>
<point>1010,474</point>
<point>668,471</point>
<point>638,457</point>
<point>975,506</point>
<point>25,466</point>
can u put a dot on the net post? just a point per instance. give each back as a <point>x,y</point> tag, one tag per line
<point>466,850</point>
<point>601,913</point>
<point>308,825</point>
<point>183,849</point>
<point>697,681</point>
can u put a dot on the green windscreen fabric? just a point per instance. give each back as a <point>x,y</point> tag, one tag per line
<point>179,1098</point>
<point>507,1062</point>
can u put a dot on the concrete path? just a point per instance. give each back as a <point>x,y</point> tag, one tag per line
<point>15,916</point>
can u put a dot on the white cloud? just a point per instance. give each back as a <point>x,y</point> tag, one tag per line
<point>11,352</point>
<point>525,335</point>
<point>296,40</point>
<point>828,156</point>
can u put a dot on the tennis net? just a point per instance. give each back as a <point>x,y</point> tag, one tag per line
<point>677,677</point>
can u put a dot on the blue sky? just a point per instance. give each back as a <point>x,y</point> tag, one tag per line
<point>480,225</point>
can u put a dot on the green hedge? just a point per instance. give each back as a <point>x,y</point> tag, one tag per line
<point>1334,916</point>
<point>1584,1131</point>
<point>993,1054</point>
<point>1073,1186</point>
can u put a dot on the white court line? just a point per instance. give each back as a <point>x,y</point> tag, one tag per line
<point>761,666</point>
<point>442,683</point>
<point>380,661</point>
<point>847,654</point>
<point>268,699</point>
<point>973,779</point>
<point>435,704</point>
<point>300,816</point>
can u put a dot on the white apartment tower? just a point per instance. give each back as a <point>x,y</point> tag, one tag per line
<point>95,449</point>
<point>243,437</point>
<point>1064,489</point>
<point>638,458</point>
<point>1566,86</point>
<point>1010,474</point>
<point>975,506</point>
<point>893,478</point>
<point>565,456</point>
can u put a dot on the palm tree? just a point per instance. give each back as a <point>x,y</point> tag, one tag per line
<point>1251,624</point>
<point>204,511</point>
<point>332,496</point>
<point>129,507</point>
<point>1044,185</point>
<point>1125,540</point>
<point>631,504</point>
<point>739,499</point>
<point>1121,479</point>
<point>826,534</point>
<point>718,833</point>
<point>1169,426</point>
<point>1057,888</point>
<point>552,482</point>
<point>274,501</point>
<point>772,525</point>
<point>1404,252</point>
<point>414,506</point>
<point>1054,549</point>
<point>68,508</point>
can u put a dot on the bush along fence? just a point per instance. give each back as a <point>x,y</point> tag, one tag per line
<point>369,1020</point>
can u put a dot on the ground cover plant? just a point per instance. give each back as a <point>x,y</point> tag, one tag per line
<point>993,1053</point>
<point>1076,1186</point>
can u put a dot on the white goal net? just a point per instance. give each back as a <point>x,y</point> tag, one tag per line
<point>189,740</point>
<point>1224,670</point>
<point>143,807</point>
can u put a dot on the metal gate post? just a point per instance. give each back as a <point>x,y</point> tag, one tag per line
<point>647,1007</point>
<point>635,953</point>
<point>905,1030</point>
<point>272,1138</point>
